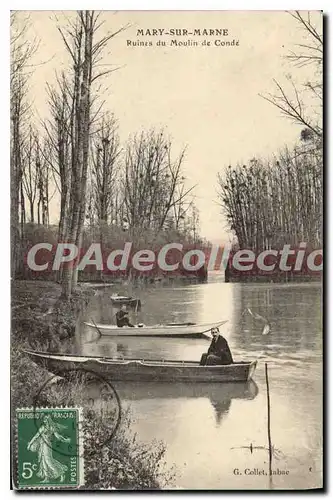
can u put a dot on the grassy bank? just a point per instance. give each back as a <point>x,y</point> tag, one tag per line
<point>40,319</point>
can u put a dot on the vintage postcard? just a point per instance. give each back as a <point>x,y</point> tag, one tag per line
<point>166,250</point>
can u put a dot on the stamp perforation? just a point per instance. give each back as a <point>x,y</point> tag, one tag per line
<point>53,427</point>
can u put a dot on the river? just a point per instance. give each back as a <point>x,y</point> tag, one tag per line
<point>216,436</point>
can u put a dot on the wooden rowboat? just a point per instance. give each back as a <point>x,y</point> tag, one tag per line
<point>141,370</point>
<point>119,300</point>
<point>188,330</point>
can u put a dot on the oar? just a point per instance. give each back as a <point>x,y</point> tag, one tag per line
<point>99,331</point>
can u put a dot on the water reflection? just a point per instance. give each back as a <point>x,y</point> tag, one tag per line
<point>201,420</point>
<point>219,396</point>
<point>294,312</point>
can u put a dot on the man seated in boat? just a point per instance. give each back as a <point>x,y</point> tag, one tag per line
<point>122,317</point>
<point>219,352</point>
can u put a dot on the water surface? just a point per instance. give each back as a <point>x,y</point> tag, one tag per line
<point>210,430</point>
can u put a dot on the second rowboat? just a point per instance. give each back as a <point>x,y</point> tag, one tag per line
<point>187,330</point>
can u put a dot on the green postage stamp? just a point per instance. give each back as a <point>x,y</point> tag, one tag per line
<point>49,448</point>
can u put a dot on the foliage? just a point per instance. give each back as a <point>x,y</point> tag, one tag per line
<point>277,201</point>
<point>269,203</point>
<point>119,463</point>
<point>123,462</point>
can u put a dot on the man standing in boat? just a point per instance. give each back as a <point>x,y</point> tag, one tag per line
<point>122,318</point>
<point>219,352</point>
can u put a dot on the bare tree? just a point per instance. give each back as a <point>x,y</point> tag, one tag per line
<point>193,222</point>
<point>105,168</point>
<point>43,176</point>
<point>58,130</point>
<point>153,181</point>
<point>105,152</point>
<point>21,53</point>
<point>269,203</point>
<point>36,176</point>
<point>292,101</point>
<point>85,51</point>
<point>181,206</point>
<point>29,172</point>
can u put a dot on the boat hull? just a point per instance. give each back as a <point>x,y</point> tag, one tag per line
<point>145,370</point>
<point>133,303</point>
<point>191,331</point>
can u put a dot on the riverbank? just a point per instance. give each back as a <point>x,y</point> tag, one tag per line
<point>41,316</point>
<point>41,319</point>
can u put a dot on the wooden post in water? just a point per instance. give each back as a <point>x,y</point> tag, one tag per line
<point>269,423</point>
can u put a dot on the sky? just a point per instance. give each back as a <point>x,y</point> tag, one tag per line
<point>205,97</point>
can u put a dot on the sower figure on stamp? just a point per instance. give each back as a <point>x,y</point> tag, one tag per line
<point>49,468</point>
<point>218,352</point>
<point>122,318</point>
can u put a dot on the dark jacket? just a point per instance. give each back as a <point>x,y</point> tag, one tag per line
<point>220,348</point>
<point>122,318</point>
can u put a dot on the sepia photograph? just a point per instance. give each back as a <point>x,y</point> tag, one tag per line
<point>166,253</point>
